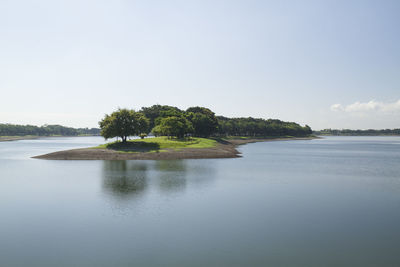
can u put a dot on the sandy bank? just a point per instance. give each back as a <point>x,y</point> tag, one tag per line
<point>224,149</point>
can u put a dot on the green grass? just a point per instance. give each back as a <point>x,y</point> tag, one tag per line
<point>159,144</point>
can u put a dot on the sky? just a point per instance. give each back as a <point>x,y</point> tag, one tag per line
<point>328,64</point>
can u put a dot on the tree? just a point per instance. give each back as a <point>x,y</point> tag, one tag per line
<point>260,127</point>
<point>45,130</point>
<point>156,112</point>
<point>173,126</point>
<point>204,121</point>
<point>307,130</point>
<point>123,123</point>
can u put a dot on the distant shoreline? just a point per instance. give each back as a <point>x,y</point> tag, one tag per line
<point>16,138</point>
<point>223,149</point>
<point>30,137</point>
<point>363,135</point>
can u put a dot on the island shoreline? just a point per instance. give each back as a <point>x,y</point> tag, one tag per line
<point>226,148</point>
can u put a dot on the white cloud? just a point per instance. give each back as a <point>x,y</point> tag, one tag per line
<point>371,106</point>
<point>337,107</point>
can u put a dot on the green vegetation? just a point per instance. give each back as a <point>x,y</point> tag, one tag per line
<point>177,126</point>
<point>163,120</point>
<point>123,123</point>
<point>159,144</point>
<point>156,112</point>
<point>46,130</point>
<point>204,121</point>
<point>348,132</point>
<point>261,137</point>
<point>260,128</point>
<point>195,121</point>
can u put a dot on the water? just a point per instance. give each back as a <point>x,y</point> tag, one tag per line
<point>326,202</point>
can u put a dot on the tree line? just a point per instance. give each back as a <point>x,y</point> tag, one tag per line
<point>45,130</point>
<point>164,120</point>
<point>260,127</point>
<point>348,132</point>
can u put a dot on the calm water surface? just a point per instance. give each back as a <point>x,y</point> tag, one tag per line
<point>326,202</point>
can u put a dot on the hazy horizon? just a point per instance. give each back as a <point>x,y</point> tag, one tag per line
<point>97,126</point>
<point>330,64</point>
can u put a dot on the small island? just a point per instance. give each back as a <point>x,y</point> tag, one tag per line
<point>176,134</point>
<point>161,148</point>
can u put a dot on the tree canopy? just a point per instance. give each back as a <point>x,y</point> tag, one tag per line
<point>369,132</point>
<point>204,121</point>
<point>123,123</point>
<point>260,127</point>
<point>45,130</point>
<point>171,121</point>
<point>177,126</point>
<point>157,112</point>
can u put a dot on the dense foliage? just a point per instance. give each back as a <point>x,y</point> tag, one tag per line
<point>123,123</point>
<point>157,112</point>
<point>260,127</point>
<point>196,121</point>
<point>203,120</point>
<point>177,126</point>
<point>164,120</point>
<point>370,132</point>
<point>46,130</point>
<point>170,121</point>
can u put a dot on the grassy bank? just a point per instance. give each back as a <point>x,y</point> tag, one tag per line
<point>159,144</point>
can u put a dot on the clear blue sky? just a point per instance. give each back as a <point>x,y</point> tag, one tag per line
<point>323,63</point>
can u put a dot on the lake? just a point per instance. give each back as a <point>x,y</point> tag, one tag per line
<point>324,202</point>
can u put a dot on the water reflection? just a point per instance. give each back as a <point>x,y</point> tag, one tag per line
<point>172,175</point>
<point>125,178</point>
<point>205,171</point>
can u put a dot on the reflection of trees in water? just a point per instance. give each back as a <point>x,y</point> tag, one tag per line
<point>131,179</point>
<point>202,171</point>
<point>172,174</point>
<point>124,178</point>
